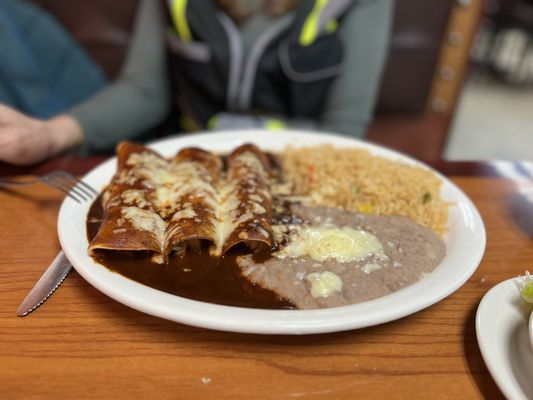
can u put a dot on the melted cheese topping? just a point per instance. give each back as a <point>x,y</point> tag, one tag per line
<point>370,267</point>
<point>172,183</point>
<point>324,284</point>
<point>134,197</point>
<point>147,221</point>
<point>175,190</point>
<point>179,181</point>
<point>229,217</point>
<point>145,158</point>
<point>184,213</point>
<point>226,218</point>
<point>325,242</point>
<point>250,165</point>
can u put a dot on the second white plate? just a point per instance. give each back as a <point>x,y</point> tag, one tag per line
<point>502,335</point>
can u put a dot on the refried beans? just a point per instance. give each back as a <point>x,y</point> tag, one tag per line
<point>408,251</point>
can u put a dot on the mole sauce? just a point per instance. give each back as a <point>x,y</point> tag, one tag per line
<point>195,276</point>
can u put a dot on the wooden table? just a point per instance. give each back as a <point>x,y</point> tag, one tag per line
<point>82,344</point>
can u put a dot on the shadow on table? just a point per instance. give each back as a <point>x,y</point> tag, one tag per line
<point>519,347</point>
<point>521,206</point>
<point>478,370</point>
<point>166,330</point>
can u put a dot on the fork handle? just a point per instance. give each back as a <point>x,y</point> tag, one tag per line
<point>8,182</point>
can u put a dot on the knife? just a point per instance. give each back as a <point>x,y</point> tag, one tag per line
<point>46,285</point>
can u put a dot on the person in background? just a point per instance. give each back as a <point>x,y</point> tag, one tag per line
<point>38,79</point>
<point>247,63</point>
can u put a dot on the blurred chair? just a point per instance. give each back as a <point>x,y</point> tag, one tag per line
<point>428,61</point>
<point>425,70</point>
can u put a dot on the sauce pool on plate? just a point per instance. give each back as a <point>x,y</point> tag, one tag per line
<point>194,276</point>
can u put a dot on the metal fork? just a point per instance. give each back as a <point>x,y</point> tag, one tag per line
<point>58,270</point>
<point>73,187</point>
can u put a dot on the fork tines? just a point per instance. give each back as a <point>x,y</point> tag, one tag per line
<point>76,189</point>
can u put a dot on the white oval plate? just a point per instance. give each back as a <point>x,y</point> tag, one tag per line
<point>502,335</point>
<point>465,242</point>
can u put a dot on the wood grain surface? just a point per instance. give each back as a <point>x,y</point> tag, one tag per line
<point>82,344</point>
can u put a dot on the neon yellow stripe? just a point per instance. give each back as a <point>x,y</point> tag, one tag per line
<point>310,28</point>
<point>178,10</point>
<point>275,125</point>
<point>212,123</point>
<point>332,26</point>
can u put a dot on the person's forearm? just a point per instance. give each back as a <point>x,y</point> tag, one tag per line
<point>27,140</point>
<point>120,112</point>
<point>140,98</point>
<point>350,102</point>
<point>65,133</point>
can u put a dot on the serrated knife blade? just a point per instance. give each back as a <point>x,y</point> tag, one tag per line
<point>46,285</point>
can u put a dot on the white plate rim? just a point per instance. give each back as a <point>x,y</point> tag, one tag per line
<point>469,242</point>
<point>501,295</point>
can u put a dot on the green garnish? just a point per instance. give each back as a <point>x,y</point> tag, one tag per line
<point>525,285</point>
<point>426,197</point>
